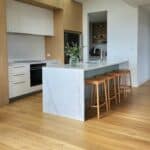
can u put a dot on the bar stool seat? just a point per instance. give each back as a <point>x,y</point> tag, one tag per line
<point>95,84</point>
<point>95,81</point>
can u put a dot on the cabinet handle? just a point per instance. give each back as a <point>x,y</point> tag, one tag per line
<point>19,67</point>
<point>18,75</point>
<point>19,82</point>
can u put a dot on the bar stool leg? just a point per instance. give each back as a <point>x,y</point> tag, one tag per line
<point>92,95</point>
<point>126,84</point>
<point>98,102</point>
<point>123,83</point>
<point>118,88</point>
<point>115,91</point>
<point>106,99</point>
<point>108,95</point>
<point>130,81</point>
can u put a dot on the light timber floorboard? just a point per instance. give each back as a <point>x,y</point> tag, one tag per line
<point>23,126</point>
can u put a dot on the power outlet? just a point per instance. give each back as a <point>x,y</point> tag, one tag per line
<point>48,55</point>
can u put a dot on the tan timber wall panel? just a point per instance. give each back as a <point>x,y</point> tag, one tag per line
<point>55,45</point>
<point>3,56</point>
<point>72,16</point>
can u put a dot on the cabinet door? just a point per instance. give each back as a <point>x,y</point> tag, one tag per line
<point>28,19</point>
<point>13,18</point>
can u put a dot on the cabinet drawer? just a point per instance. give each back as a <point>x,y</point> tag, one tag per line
<point>18,77</point>
<point>18,89</point>
<point>15,70</point>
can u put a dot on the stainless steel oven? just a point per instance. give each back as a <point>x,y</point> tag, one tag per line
<point>36,74</point>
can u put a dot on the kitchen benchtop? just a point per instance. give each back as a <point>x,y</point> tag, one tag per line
<point>91,65</point>
<point>28,62</point>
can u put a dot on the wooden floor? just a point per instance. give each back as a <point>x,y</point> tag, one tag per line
<point>23,126</point>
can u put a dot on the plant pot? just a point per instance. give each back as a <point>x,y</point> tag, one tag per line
<point>73,60</point>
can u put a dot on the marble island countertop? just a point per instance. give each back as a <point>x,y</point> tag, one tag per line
<point>91,65</point>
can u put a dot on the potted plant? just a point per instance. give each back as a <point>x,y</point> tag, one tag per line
<point>73,52</point>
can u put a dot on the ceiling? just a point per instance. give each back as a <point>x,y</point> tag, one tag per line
<point>138,2</point>
<point>143,3</point>
<point>132,2</point>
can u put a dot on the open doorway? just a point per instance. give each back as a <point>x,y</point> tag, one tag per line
<point>98,35</point>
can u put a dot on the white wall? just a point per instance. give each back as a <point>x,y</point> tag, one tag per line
<point>122,30</point>
<point>25,47</point>
<point>143,47</point>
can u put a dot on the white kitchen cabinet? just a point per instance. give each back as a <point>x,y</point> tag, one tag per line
<point>19,83</point>
<point>20,80</point>
<point>29,19</point>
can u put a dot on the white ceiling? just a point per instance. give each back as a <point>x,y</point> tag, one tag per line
<point>143,3</point>
<point>132,2</point>
<point>138,2</point>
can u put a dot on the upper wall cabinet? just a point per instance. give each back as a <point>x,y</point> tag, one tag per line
<point>29,19</point>
<point>56,4</point>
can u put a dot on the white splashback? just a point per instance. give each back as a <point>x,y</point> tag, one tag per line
<point>26,47</point>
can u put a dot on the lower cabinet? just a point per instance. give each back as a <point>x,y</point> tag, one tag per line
<point>19,80</point>
<point>18,89</point>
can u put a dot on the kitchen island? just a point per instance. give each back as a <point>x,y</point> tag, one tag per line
<point>64,90</point>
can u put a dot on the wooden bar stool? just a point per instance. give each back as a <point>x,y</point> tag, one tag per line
<point>124,82</point>
<point>111,88</point>
<point>96,83</point>
<point>117,78</point>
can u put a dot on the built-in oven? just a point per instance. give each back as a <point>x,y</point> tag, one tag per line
<point>36,74</point>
